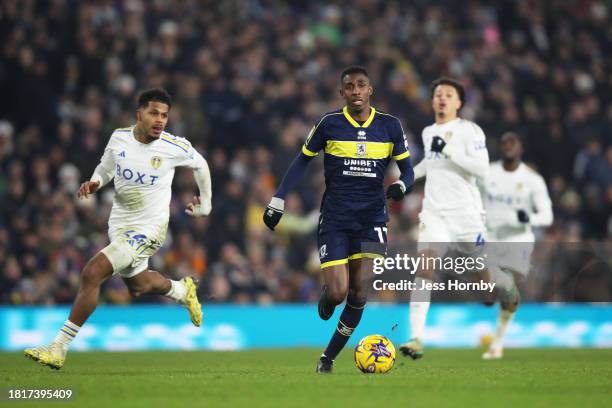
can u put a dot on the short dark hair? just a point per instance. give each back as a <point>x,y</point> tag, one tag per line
<point>353,69</point>
<point>154,95</point>
<point>452,82</point>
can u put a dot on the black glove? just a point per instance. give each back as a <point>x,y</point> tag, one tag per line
<point>273,215</point>
<point>397,191</point>
<point>522,216</point>
<point>437,144</point>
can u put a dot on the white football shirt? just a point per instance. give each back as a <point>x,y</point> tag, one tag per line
<point>450,185</point>
<point>506,192</point>
<point>143,176</point>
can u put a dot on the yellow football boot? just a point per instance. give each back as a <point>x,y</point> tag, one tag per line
<point>191,301</point>
<point>52,355</point>
<point>413,349</point>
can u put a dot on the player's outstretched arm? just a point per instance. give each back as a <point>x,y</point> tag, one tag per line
<point>403,186</point>
<point>102,175</point>
<point>274,211</point>
<point>88,187</point>
<point>420,170</point>
<point>542,203</point>
<point>401,155</point>
<point>202,204</point>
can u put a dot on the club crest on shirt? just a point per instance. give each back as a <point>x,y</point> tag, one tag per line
<point>323,251</point>
<point>519,186</point>
<point>448,135</point>
<point>156,162</point>
<point>361,149</point>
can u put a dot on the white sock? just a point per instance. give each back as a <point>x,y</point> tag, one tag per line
<point>177,291</point>
<point>503,321</point>
<point>419,306</point>
<point>66,334</point>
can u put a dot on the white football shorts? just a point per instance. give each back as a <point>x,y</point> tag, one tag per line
<point>130,249</point>
<point>512,254</point>
<point>463,232</point>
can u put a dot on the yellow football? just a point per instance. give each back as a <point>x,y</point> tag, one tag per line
<point>375,354</point>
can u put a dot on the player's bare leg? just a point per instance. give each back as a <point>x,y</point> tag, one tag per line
<point>148,282</point>
<point>97,270</point>
<point>154,283</point>
<point>356,297</point>
<point>335,290</point>
<point>419,307</point>
<point>509,302</point>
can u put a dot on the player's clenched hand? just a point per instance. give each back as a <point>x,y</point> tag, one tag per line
<point>274,212</point>
<point>522,216</point>
<point>199,208</point>
<point>437,144</point>
<point>397,190</point>
<point>88,187</point>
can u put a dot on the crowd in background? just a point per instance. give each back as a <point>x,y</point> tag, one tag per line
<point>249,79</point>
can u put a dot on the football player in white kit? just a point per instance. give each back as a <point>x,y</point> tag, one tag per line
<point>516,199</point>
<point>142,160</point>
<point>455,158</point>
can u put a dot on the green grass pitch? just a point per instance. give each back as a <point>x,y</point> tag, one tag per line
<point>525,378</point>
